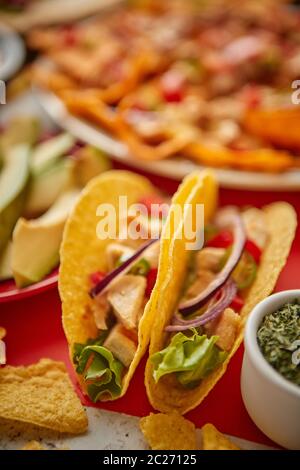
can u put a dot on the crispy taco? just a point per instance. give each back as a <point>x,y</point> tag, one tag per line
<point>105,283</point>
<point>207,294</point>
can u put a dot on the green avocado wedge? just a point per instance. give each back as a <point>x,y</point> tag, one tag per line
<point>46,186</point>
<point>14,180</point>
<point>36,242</point>
<point>48,153</point>
<point>89,163</point>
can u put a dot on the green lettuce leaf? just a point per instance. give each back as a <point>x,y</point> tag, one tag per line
<point>99,367</point>
<point>191,357</point>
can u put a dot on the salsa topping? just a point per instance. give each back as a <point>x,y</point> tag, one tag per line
<point>279,339</point>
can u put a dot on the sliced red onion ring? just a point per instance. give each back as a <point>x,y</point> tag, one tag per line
<point>215,309</point>
<point>120,270</point>
<point>226,218</point>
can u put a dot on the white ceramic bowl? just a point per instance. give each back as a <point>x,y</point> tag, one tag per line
<point>272,401</point>
<point>12,52</point>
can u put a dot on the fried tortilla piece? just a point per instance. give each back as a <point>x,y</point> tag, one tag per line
<point>278,126</point>
<point>41,395</point>
<point>212,439</point>
<point>168,432</point>
<point>33,445</point>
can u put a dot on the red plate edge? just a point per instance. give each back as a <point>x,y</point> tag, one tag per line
<point>9,292</point>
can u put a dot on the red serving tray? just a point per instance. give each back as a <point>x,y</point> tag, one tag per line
<point>34,331</point>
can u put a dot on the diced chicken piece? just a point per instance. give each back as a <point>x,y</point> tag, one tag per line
<point>152,255</point>
<point>121,345</point>
<point>256,226</point>
<point>100,309</point>
<point>126,296</point>
<point>209,259</point>
<point>113,253</point>
<point>204,278</point>
<point>226,327</point>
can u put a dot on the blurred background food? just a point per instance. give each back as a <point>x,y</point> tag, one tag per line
<point>210,86</point>
<point>205,82</point>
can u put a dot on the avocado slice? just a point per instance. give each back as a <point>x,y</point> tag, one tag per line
<point>46,186</point>
<point>90,161</point>
<point>22,129</point>
<point>36,242</point>
<point>13,185</point>
<point>5,263</point>
<point>47,153</point>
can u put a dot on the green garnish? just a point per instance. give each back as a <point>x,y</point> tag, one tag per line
<point>192,358</point>
<point>99,367</point>
<point>140,268</point>
<point>277,336</point>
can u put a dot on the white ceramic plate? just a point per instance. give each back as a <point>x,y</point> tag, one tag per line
<point>172,168</point>
<point>12,52</point>
<point>55,12</point>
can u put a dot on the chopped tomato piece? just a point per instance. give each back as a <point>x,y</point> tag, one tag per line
<point>70,36</point>
<point>97,277</point>
<point>224,239</point>
<point>252,96</point>
<point>254,250</point>
<point>151,278</point>
<point>172,86</point>
<point>237,304</point>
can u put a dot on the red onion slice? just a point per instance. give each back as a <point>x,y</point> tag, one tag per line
<point>226,218</point>
<point>120,270</point>
<point>213,311</point>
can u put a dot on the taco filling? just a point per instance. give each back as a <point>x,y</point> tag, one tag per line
<point>117,302</point>
<point>206,324</point>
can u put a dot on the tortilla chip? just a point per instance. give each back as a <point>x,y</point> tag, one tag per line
<point>212,439</point>
<point>169,432</point>
<point>41,395</point>
<point>168,395</point>
<point>2,332</point>
<point>33,445</point>
<point>82,253</point>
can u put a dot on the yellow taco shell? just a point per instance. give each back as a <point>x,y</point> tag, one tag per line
<point>168,395</point>
<point>82,253</point>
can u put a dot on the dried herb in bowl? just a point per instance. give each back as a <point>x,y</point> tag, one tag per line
<point>279,340</point>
